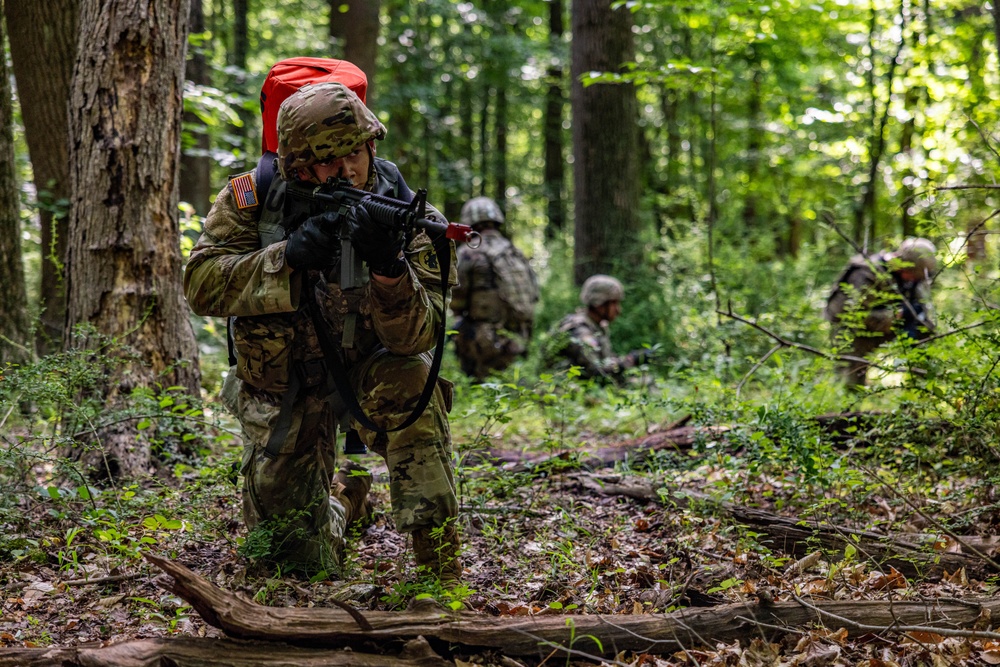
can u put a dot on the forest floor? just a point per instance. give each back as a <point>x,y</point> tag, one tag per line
<point>540,539</point>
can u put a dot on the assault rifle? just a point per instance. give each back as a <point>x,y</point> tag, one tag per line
<point>303,200</point>
<point>915,322</point>
<point>337,195</point>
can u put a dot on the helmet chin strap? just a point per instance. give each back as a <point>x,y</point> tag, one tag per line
<point>370,181</point>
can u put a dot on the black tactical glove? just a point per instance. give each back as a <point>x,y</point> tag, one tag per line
<point>376,243</point>
<point>314,244</point>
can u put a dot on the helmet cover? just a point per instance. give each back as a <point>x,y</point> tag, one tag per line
<point>320,122</point>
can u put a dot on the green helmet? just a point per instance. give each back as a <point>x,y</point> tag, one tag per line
<point>599,289</point>
<point>919,252</point>
<point>481,209</point>
<point>320,122</point>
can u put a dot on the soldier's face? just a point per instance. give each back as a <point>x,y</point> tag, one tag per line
<point>610,311</point>
<point>353,166</point>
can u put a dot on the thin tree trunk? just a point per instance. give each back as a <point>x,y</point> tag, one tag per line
<point>196,165</point>
<point>354,31</point>
<point>865,210</point>
<point>14,327</point>
<point>43,83</point>
<point>123,266</point>
<point>500,152</point>
<point>555,103</point>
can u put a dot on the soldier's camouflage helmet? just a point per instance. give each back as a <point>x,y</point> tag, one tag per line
<point>919,252</point>
<point>320,122</point>
<point>481,209</point>
<point>598,289</point>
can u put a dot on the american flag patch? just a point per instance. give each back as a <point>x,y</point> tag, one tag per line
<point>244,190</point>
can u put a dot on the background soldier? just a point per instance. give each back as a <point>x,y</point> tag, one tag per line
<point>582,338</point>
<point>276,277</point>
<point>495,297</point>
<point>878,297</point>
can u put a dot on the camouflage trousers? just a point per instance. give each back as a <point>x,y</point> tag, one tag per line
<point>289,495</point>
<point>483,347</point>
<point>855,373</point>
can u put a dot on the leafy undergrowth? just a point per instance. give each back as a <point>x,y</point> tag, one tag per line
<point>539,538</point>
<point>537,543</point>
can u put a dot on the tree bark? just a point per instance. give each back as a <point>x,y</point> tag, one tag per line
<point>354,34</point>
<point>43,86</point>
<point>555,104</point>
<point>14,327</point>
<point>594,634</point>
<point>605,168</point>
<point>204,652</point>
<point>123,267</point>
<point>196,165</point>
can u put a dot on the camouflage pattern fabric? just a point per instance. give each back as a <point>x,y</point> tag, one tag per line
<point>322,121</point>
<point>866,308</point>
<point>490,335</point>
<point>229,274</point>
<point>579,341</point>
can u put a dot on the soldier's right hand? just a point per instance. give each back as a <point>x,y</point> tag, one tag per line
<point>314,244</point>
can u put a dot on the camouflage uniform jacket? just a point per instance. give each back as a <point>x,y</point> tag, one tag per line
<point>579,341</point>
<point>229,274</point>
<point>867,285</point>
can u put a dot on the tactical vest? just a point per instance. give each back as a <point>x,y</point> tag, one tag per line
<point>261,347</point>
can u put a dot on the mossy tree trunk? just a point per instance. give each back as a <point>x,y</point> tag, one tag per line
<point>123,268</point>
<point>14,329</point>
<point>43,48</point>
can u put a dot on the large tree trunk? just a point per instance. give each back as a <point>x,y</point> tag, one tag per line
<point>43,84</point>
<point>555,103</point>
<point>605,168</point>
<point>123,266</point>
<point>196,165</point>
<point>355,25</point>
<point>14,328</point>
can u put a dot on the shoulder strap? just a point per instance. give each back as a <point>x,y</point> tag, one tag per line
<point>339,372</point>
<point>265,171</point>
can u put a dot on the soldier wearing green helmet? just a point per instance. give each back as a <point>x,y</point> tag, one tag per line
<point>879,297</point>
<point>494,302</point>
<point>269,273</point>
<point>582,338</point>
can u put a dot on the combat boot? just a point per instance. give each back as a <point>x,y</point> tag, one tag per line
<point>350,486</point>
<point>435,551</point>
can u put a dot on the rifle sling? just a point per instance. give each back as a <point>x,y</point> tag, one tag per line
<point>339,373</point>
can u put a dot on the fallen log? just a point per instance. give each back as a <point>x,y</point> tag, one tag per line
<point>594,635</point>
<point>206,652</point>
<point>913,555</point>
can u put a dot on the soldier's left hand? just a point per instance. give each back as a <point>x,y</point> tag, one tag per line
<point>378,244</point>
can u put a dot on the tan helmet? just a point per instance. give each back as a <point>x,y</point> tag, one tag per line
<point>481,209</point>
<point>599,289</point>
<point>919,252</point>
<point>320,122</point>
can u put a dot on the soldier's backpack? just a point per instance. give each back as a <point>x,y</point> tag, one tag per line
<point>517,284</point>
<point>287,76</point>
<point>284,78</point>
